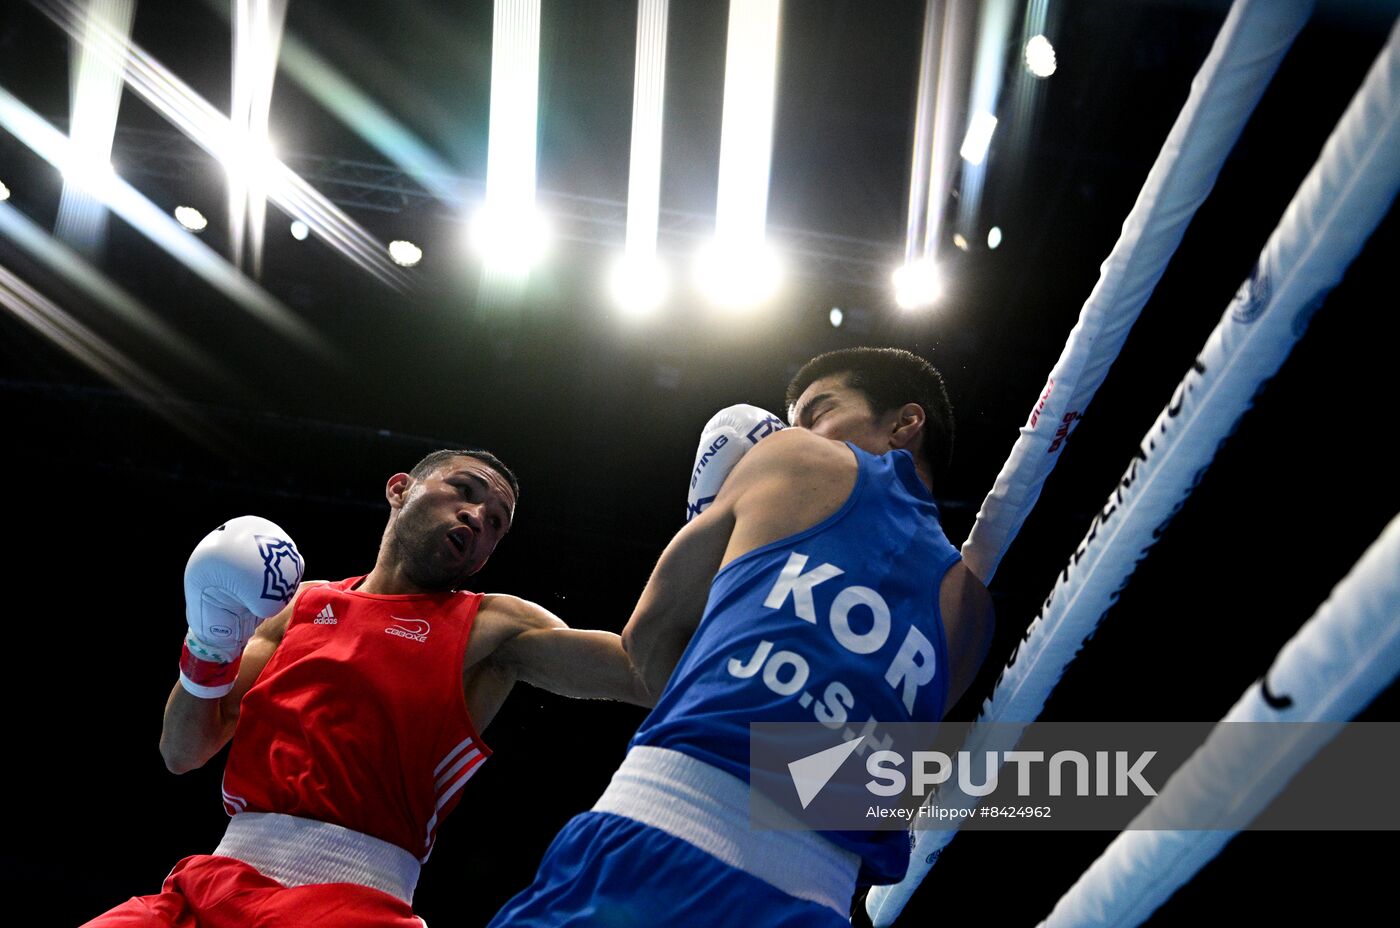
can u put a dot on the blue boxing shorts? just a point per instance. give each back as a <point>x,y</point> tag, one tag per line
<point>608,871</point>
<point>669,841</point>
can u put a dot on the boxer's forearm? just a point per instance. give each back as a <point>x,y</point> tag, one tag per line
<point>193,730</point>
<point>655,659</point>
<point>576,662</point>
<point>535,646</point>
<point>674,599</point>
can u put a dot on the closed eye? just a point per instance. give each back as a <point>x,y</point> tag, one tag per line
<point>815,409</point>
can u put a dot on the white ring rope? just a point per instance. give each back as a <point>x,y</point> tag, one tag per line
<point>1345,655</point>
<point>1247,51</point>
<point>1342,200</point>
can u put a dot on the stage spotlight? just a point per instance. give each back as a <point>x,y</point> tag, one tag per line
<point>86,173</point>
<point>191,218</point>
<point>638,285</point>
<point>917,285</point>
<point>507,231</point>
<point>1040,56</point>
<point>252,163</point>
<point>299,230</point>
<point>510,242</point>
<point>746,142</point>
<point>836,317</point>
<point>978,138</point>
<point>405,254</point>
<point>738,278</point>
<point>644,165</point>
<point>4,192</point>
<point>994,237</point>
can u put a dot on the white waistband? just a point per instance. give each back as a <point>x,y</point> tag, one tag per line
<point>709,808</point>
<point>298,851</point>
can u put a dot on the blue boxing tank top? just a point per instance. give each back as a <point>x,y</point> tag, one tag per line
<point>839,623</point>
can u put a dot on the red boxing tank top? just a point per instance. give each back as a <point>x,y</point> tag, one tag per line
<point>359,718</point>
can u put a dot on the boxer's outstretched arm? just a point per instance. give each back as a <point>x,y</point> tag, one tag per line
<point>539,648</point>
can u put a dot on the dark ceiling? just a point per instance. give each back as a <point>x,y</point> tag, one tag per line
<point>600,418</point>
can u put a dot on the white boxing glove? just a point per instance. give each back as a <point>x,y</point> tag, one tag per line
<point>244,571</point>
<point>727,437</point>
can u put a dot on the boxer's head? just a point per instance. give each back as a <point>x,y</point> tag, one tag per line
<point>435,459</point>
<point>448,514</point>
<point>890,381</point>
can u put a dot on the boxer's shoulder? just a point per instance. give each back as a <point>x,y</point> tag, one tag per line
<point>795,452</point>
<point>275,627</point>
<point>502,617</point>
<point>515,613</point>
<point>795,462</point>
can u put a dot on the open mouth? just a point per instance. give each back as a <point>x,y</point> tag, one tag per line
<point>458,539</point>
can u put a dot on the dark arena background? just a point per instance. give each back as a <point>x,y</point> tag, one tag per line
<point>122,448</point>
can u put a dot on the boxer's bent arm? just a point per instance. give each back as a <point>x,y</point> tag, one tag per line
<point>671,606</point>
<point>752,508</point>
<point>194,729</point>
<point>539,648</point>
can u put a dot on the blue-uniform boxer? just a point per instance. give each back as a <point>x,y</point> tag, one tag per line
<point>819,586</point>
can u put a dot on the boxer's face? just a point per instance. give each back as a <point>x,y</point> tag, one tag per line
<point>450,522</point>
<point>831,409</point>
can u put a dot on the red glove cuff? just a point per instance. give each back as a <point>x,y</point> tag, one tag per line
<point>206,679</point>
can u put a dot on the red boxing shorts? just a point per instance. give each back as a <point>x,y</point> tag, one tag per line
<point>219,892</point>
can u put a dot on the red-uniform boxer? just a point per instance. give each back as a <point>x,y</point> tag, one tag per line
<point>355,710</point>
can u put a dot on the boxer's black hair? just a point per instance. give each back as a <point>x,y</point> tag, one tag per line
<point>889,378</point>
<point>436,459</point>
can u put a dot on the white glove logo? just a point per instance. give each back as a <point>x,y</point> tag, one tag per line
<point>727,437</point>
<point>244,571</point>
<point>765,428</point>
<point>281,567</point>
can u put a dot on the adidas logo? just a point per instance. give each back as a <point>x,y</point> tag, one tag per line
<point>325,617</point>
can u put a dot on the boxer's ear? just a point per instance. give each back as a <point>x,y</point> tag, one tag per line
<point>397,489</point>
<point>908,426</point>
